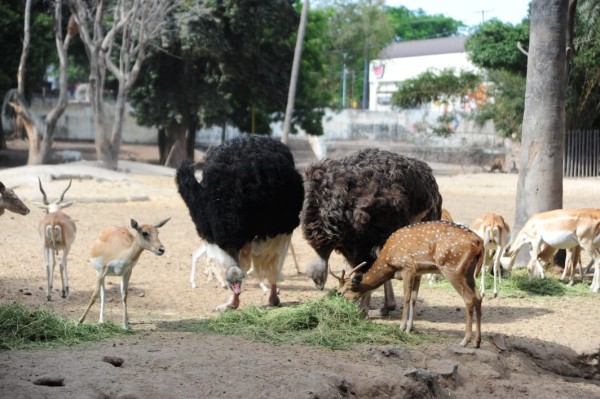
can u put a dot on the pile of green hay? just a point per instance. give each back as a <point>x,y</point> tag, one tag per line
<point>331,322</point>
<point>22,327</point>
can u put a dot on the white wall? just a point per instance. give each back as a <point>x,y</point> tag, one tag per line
<point>399,69</point>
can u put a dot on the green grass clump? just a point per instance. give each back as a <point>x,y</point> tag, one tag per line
<point>22,327</point>
<point>519,285</point>
<point>331,322</point>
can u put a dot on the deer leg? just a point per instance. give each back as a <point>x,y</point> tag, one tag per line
<point>64,276</point>
<point>99,284</point>
<point>484,268</point>
<point>413,302</point>
<point>50,263</point>
<point>595,287</point>
<point>407,279</point>
<point>124,291</point>
<point>497,272</point>
<point>466,287</point>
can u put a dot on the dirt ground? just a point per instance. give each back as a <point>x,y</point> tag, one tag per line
<point>532,348</point>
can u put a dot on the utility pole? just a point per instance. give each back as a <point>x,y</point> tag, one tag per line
<point>289,110</point>
<point>483,14</point>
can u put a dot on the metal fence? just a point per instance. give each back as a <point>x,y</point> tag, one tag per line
<point>582,153</point>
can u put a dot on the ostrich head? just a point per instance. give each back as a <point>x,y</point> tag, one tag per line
<point>234,277</point>
<point>317,271</point>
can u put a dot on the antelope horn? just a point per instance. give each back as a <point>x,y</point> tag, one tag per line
<point>338,278</point>
<point>63,193</point>
<point>43,192</point>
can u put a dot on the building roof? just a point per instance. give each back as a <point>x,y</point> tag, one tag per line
<point>415,48</point>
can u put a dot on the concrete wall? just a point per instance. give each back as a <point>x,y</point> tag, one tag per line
<point>344,131</point>
<point>77,122</point>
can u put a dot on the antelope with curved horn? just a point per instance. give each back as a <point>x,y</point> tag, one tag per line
<point>431,247</point>
<point>115,252</point>
<point>57,231</point>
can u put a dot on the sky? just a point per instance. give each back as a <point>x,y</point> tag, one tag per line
<point>469,11</point>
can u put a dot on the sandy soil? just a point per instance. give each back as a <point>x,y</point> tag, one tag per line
<point>551,343</point>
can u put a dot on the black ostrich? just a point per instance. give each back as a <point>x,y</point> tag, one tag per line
<point>245,208</point>
<point>352,205</point>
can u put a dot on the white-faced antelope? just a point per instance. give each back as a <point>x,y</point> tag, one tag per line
<point>431,247</point>
<point>57,231</point>
<point>115,252</point>
<point>10,202</point>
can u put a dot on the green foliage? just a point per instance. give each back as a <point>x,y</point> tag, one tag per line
<point>415,24</point>
<point>42,46</point>
<point>519,285</point>
<point>21,327</point>
<point>331,322</point>
<point>443,87</point>
<point>583,91</point>
<point>507,89</point>
<point>494,46</point>
<point>230,62</point>
<point>357,32</point>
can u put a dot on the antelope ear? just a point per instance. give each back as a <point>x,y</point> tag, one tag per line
<point>66,204</point>
<point>2,188</point>
<point>161,223</point>
<point>134,225</point>
<point>40,205</point>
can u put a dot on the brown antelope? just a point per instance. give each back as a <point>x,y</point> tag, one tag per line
<point>431,247</point>
<point>57,231</point>
<point>115,252</point>
<point>561,229</point>
<point>10,201</point>
<point>495,231</point>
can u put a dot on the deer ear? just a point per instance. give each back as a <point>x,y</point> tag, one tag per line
<point>161,223</point>
<point>66,204</point>
<point>40,205</point>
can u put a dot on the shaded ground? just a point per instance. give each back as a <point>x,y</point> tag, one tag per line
<point>545,339</point>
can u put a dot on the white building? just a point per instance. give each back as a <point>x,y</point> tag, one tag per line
<point>404,60</point>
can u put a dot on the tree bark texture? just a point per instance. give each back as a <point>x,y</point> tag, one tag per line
<point>540,183</point>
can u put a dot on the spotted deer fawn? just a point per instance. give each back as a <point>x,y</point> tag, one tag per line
<point>10,202</point>
<point>115,252</point>
<point>495,233</point>
<point>431,247</point>
<point>57,231</point>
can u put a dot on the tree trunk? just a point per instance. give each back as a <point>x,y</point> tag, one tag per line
<point>24,117</point>
<point>191,139</point>
<point>27,121</point>
<point>57,111</point>
<point>540,184</point>
<point>2,138</point>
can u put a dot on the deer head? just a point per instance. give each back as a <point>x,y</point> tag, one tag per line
<point>56,205</point>
<point>349,287</point>
<point>147,237</point>
<point>10,201</point>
